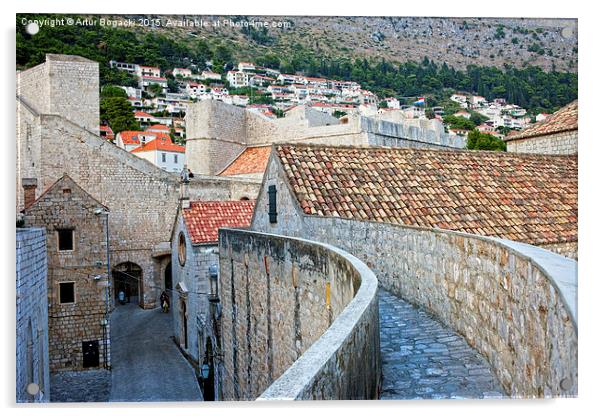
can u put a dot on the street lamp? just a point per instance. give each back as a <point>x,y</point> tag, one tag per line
<point>213,274</point>
<point>205,371</point>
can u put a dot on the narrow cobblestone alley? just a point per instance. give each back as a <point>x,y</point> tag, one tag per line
<point>147,365</point>
<point>423,359</point>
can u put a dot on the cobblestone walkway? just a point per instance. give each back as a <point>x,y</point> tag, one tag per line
<point>147,365</point>
<point>80,386</point>
<point>423,359</point>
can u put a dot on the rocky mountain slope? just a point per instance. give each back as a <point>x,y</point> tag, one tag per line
<point>547,43</point>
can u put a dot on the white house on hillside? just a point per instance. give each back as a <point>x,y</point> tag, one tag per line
<point>238,79</point>
<point>163,153</point>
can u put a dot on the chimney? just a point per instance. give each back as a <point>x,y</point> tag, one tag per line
<point>29,190</point>
<point>184,180</point>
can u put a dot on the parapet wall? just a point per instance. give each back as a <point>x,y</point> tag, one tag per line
<point>563,143</point>
<point>515,303</point>
<point>299,319</point>
<point>387,133</point>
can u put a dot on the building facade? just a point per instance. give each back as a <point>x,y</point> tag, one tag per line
<point>78,289</point>
<point>194,262</point>
<point>32,316</point>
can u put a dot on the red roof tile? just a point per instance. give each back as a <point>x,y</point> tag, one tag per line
<point>204,218</point>
<point>160,143</point>
<point>130,136</point>
<point>158,127</point>
<point>251,160</point>
<point>142,114</point>
<point>564,119</point>
<point>521,197</point>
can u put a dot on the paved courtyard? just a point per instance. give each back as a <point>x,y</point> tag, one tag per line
<point>147,365</point>
<point>80,386</point>
<point>423,359</point>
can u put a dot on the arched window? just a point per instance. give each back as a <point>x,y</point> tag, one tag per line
<point>182,249</point>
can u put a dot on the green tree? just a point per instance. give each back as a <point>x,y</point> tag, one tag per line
<point>155,89</point>
<point>483,141</point>
<point>112,91</point>
<point>118,113</point>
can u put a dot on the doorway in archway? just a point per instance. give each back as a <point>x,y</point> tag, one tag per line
<point>167,279</point>
<point>127,278</point>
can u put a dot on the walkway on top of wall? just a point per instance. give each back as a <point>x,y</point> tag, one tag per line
<point>423,359</point>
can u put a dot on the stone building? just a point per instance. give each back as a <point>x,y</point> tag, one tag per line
<point>32,316</point>
<point>78,288</point>
<point>555,135</point>
<point>218,133</point>
<point>57,123</point>
<point>194,259</point>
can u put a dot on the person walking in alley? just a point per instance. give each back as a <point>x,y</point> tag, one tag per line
<point>164,301</point>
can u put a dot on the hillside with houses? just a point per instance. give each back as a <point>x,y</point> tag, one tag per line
<point>271,94</point>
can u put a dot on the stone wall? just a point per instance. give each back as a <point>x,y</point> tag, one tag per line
<point>569,249</point>
<point>409,134</point>
<point>564,143</point>
<point>218,132</point>
<point>66,206</point>
<point>298,317</point>
<point>31,315</point>
<point>517,310</point>
<point>64,85</point>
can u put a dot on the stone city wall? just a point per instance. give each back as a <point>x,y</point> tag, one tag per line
<point>569,249</point>
<point>217,133</point>
<point>32,315</point>
<point>409,134</point>
<point>563,143</point>
<point>519,312</point>
<point>299,319</point>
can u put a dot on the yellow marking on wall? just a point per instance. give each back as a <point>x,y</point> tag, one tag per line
<point>328,294</point>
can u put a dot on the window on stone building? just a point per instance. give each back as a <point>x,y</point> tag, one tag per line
<point>175,158</point>
<point>182,249</point>
<point>163,157</point>
<point>272,213</point>
<point>65,239</point>
<point>67,292</point>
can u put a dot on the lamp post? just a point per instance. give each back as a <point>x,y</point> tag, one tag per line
<point>213,289</point>
<point>105,322</point>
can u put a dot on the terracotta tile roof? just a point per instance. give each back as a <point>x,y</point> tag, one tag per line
<point>160,127</point>
<point>133,136</point>
<point>528,198</point>
<point>251,160</point>
<point>564,119</point>
<point>204,218</point>
<point>130,136</point>
<point>160,144</point>
<point>142,114</point>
